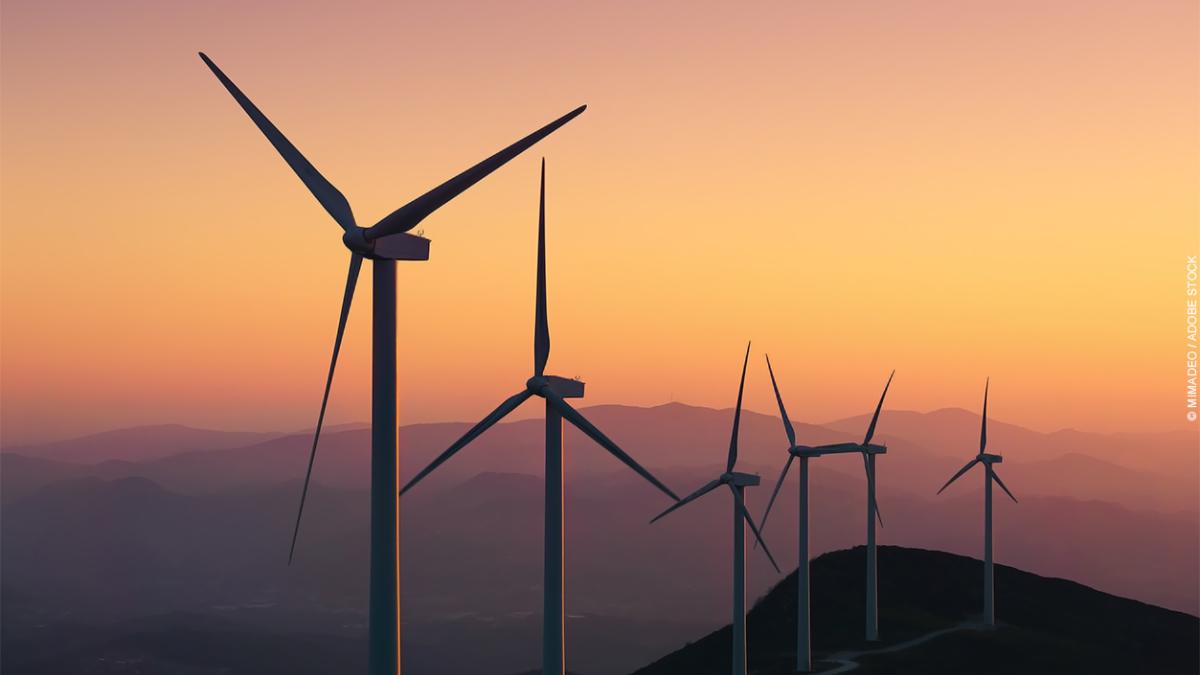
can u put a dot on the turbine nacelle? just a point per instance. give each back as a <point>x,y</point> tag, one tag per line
<point>399,246</point>
<point>739,479</point>
<point>988,458</point>
<point>804,451</point>
<point>873,449</point>
<point>843,448</point>
<point>564,387</point>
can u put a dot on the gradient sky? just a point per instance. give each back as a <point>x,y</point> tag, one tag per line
<point>951,189</point>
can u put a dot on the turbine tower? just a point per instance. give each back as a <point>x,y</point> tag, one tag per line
<point>383,243</point>
<point>555,390</point>
<point>737,483</point>
<point>989,474</point>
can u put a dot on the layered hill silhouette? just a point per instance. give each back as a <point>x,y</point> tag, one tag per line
<point>100,544</point>
<point>179,643</point>
<point>1046,625</point>
<point>1153,471</point>
<point>140,443</point>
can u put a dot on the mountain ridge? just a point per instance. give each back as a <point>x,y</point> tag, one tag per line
<point>1047,624</point>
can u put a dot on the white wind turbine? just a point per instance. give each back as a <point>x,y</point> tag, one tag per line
<point>737,483</point>
<point>989,474</point>
<point>554,390</point>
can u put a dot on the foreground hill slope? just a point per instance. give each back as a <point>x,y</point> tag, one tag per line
<point>1047,625</point>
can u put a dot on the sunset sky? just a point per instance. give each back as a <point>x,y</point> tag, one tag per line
<point>950,189</point>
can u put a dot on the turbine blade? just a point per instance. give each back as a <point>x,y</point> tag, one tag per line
<point>741,505</point>
<point>406,217</point>
<point>737,415</point>
<point>1001,484</point>
<point>541,325</point>
<point>510,404</point>
<point>705,489</point>
<point>329,196</point>
<point>959,474</point>
<point>778,484</point>
<point>347,298</point>
<point>983,424</point>
<point>878,408</point>
<point>787,424</point>
<point>595,434</point>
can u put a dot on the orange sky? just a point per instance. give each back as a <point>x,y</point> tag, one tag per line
<point>949,189</point>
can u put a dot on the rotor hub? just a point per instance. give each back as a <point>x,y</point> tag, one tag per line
<point>537,385</point>
<point>355,239</point>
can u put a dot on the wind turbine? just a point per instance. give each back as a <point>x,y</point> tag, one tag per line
<point>554,390</point>
<point>383,243</point>
<point>737,483</point>
<point>803,453</point>
<point>989,474</point>
<point>868,450</point>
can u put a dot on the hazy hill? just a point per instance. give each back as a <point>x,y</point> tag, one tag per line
<point>925,449</point>
<point>21,476</point>
<point>139,443</point>
<point>956,430</point>
<point>178,644</point>
<point>1047,625</point>
<point>206,531</point>
<point>96,551</point>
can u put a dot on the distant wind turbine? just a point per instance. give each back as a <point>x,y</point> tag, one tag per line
<point>989,474</point>
<point>803,453</point>
<point>383,243</point>
<point>737,483</point>
<point>554,390</point>
<point>868,450</point>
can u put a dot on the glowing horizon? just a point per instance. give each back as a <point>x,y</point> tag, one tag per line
<point>950,191</point>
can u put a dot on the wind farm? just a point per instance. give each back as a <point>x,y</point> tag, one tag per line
<point>387,241</point>
<point>863,190</point>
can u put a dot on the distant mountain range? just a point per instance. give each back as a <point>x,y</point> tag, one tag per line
<point>113,540</point>
<point>1155,471</point>
<point>138,444</point>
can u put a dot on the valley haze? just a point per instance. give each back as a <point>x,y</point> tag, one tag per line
<point>133,524</point>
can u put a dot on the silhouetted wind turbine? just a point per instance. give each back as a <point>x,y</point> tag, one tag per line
<point>989,474</point>
<point>554,390</point>
<point>383,243</point>
<point>737,483</point>
<point>803,453</point>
